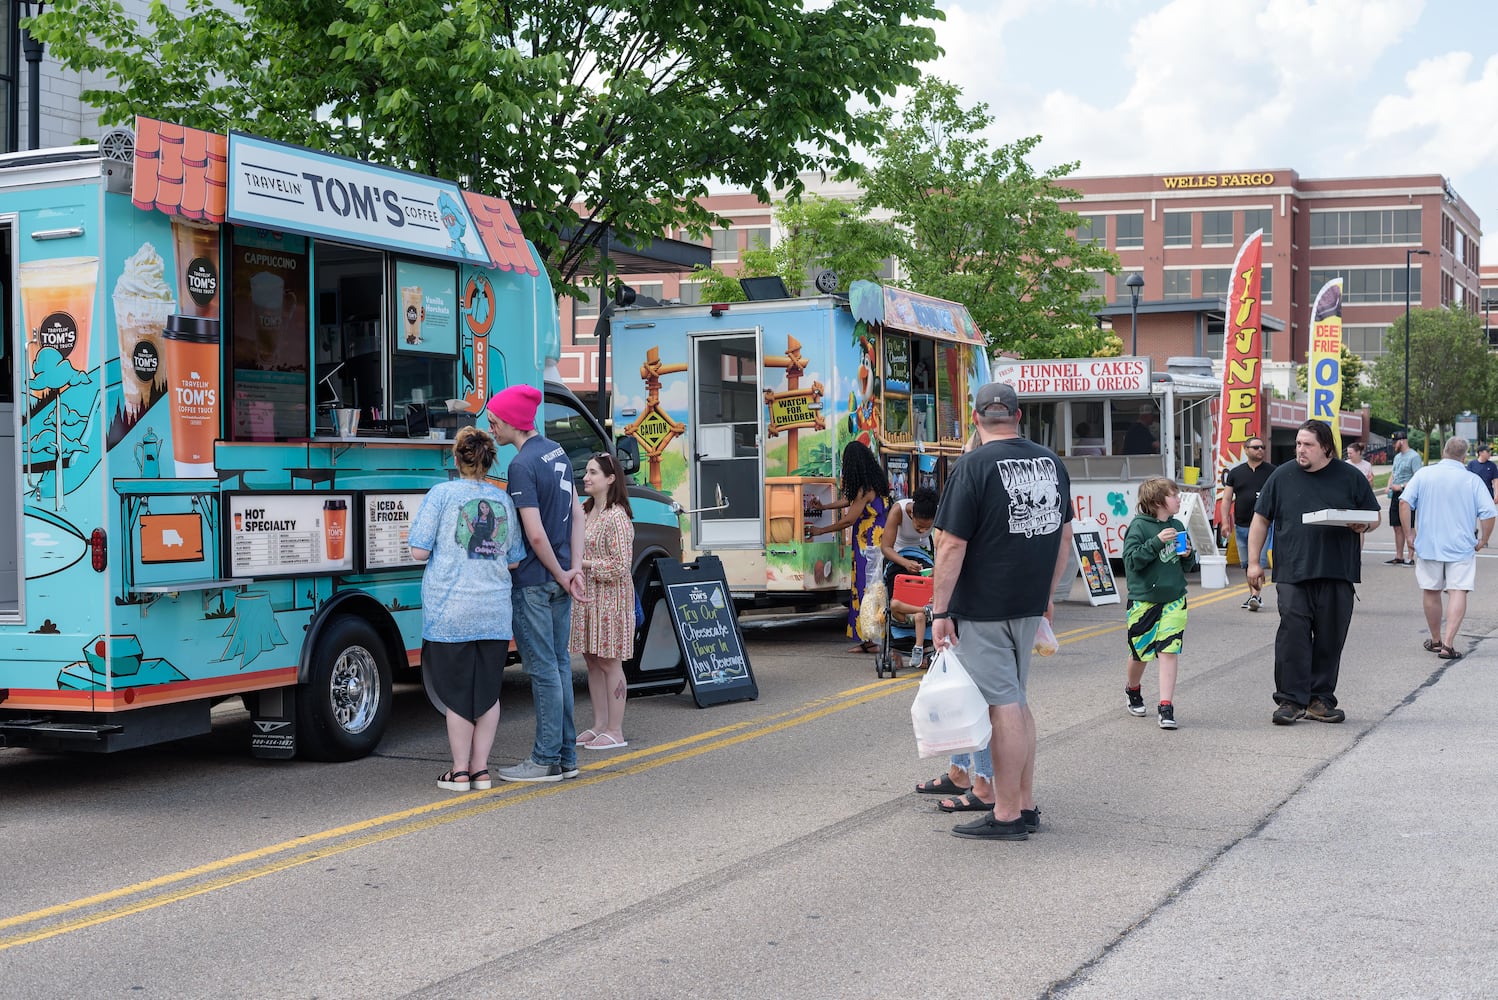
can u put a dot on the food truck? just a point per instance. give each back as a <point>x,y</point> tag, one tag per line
<point>741,412</point>
<point>234,368</point>
<point>1116,422</point>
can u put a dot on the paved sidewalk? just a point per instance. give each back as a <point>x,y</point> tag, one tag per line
<point>1374,879</point>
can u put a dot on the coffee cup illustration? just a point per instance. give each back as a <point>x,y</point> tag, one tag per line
<point>412,312</point>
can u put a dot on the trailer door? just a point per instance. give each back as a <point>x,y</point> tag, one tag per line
<point>725,434</point>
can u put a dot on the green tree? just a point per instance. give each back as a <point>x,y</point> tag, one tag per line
<point>629,107</point>
<point>824,234</point>
<point>1355,394</point>
<point>984,228</point>
<point>1449,364</point>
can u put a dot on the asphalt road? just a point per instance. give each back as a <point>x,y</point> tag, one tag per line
<point>776,848</point>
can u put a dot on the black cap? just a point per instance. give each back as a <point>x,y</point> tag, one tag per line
<point>1399,436</point>
<point>996,400</point>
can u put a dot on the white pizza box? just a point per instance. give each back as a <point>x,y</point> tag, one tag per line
<point>1340,516</point>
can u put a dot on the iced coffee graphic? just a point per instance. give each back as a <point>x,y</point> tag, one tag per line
<point>142,303</point>
<point>197,268</point>
<point>57,300</point>
<point>192,361</point>
<point>334,527</point>
<point>413,312</point>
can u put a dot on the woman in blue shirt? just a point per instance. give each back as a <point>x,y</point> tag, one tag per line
<point>467,533</point>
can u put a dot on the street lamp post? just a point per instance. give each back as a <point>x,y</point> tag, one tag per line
<point>1487,323</point>
<point>1407,255</point>
<point>1134,283</point>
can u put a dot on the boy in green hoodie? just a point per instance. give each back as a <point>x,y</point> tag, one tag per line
<point>1156,610</point>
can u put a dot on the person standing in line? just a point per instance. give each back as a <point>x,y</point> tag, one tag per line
<point>1406,463</point>
<point>1004,517</point>
<point>1241,491</point>
<point>1315,568</point>
<point>604,633</point>
<point>866,500</point>
<point>546,581</point>
<point>465,603</point>
<point>1155,568</point>
<point>1455,508</point>
<point>1357,461</point>
<point>1485,469</point>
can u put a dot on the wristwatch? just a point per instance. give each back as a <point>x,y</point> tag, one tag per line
<point>940,615</point>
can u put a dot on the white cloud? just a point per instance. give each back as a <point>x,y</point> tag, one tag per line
<point>1446,120</point>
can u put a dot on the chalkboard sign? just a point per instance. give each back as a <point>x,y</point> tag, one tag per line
<point>700,610</point>
<point>1096,571</point>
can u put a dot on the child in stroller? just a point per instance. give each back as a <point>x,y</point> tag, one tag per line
<point>909,612</point>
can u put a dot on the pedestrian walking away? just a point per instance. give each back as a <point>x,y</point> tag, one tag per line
<point>1315,568</point>
<point>1005,515</point>
<point>545,582</point>
<point>467,533</point>
<point>603,625</point>
<point>1157,554</point>
<point>1456,520</point>
<point>1241,488</point>
<point>1406,463</point>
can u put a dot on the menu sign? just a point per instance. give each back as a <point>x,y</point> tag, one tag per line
<point>707,631</point>
<point>387,529</point>
<point>288,534</point>
<point>1097,573</point>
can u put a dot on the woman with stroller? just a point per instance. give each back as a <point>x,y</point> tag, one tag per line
<point>865,498</point>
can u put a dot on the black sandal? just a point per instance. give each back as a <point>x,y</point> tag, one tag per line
<point>940,786</point>
<point>964,803</point>
<point>1446,652</point>
<point>454,781</point>
<point>481,780</point>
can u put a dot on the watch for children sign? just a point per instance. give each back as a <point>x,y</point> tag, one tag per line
<point>795,409</point>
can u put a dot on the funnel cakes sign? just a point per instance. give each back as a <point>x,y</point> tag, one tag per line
<point>290,189</point>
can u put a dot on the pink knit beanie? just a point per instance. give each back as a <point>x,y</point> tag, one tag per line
<point>516,406</point>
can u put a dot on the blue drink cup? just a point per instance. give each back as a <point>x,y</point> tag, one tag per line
<point>1181,542</point>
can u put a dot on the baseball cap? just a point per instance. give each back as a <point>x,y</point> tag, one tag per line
<point>1399,436</point>
<point>996,400</point>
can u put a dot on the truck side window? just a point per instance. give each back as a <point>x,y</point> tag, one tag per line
<point>574,432</point>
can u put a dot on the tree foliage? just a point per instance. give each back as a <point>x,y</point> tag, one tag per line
<point>1355,394</point>
<point>629,107</point>
<point>982,227</point>
<point>1449,364</point>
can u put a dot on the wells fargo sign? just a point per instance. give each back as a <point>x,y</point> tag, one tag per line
<point>1187,182</point>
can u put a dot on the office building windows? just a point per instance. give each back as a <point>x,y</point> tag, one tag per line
<point>1369,285</point>
<point>1367,342</point>
<point>1266,285</point>
<point>1217,229</point>
<point>1177,284</point>
<point>1130,229</point>
<point>1216,281</point>
<point>1098,290</point>
<point>1344,229</point>
<point>1121,288</point>
<point>690,293</point>
<point>1259,218</point>
<point>725,245</point>
<point>1092,229</point>
<point>1178,229</point>
<point>757,238</point>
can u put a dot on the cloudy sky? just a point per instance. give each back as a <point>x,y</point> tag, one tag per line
<point>1329,88</point>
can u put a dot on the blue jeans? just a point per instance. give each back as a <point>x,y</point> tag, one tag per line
<point>1242,535</point>
<point>980,763</point>
<point>543,623</point>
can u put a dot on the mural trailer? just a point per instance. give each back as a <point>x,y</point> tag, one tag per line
<point>741,412</point>
<point>232,369</point>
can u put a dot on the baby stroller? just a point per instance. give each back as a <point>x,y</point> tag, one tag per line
<point>898,641</point>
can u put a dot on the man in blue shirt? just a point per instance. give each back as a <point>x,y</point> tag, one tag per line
<point>545,582</point>
<point>1406,463</point>
<point>1484,467</point>
<point>1456,520</point>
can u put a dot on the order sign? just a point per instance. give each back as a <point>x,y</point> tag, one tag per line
<point>387,529</point>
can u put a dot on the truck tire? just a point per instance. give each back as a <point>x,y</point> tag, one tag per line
<point>343,708</point>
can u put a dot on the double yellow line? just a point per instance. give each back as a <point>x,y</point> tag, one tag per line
<point>174,887</point>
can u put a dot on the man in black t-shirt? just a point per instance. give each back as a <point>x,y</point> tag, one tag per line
<point>1315,566</point>
<point>1005,519</point>
<point>1242,485</point>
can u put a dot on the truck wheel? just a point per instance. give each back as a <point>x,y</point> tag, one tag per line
<point>342,710</point>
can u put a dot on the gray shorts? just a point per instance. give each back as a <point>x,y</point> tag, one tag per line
<point>996,654</point>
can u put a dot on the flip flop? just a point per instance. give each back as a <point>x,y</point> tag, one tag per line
<point>603,741</point>
<point>584,736</point>
<point>940,786</point>
<point>963,804</point>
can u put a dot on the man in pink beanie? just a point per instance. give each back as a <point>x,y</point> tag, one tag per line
<point>545,581</point>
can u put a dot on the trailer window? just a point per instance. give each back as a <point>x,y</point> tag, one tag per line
<point>1089,429</point>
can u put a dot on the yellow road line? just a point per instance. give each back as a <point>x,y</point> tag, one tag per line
<point>392,825</point>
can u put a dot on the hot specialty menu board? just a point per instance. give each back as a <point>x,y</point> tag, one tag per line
<point>387,529</point>
<point>288,534</point>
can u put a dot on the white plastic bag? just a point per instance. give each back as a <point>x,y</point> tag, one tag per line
<point>1045,639</point>
<point>950,714</point>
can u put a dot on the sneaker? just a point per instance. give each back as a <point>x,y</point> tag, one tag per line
<point>1286,714</point>
<point>1167,715</point>
<point>1320,711</point>
<point>1031,819</point>
<point>1247,604</point>
<point>988,828</point>
<point>917,657</point>
<point>529,770</point>
<point>571,772</point>
<point>1136,701</point>
<point>1254,603</point>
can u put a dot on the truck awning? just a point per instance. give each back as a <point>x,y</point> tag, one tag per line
<point>913,312</point>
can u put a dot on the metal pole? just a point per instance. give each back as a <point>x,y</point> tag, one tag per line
<point>33,50</point>
<point>1134,321</point>
<point>1408,254</point>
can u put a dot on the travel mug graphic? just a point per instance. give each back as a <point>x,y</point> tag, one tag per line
<point>334,527</point>
<point>197,268</point>
<point>192,361</point>
<point>57,299</point>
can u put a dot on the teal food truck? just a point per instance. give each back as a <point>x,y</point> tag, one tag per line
<point>232,369</point>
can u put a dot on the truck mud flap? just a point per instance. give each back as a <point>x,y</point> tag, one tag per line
<point>273,723</point>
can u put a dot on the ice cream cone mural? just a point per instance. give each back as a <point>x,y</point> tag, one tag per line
<point>654,428</point>
<point>796,407</point>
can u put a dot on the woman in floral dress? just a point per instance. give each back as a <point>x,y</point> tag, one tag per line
<point>866,502</point>
<point>603,622</point>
